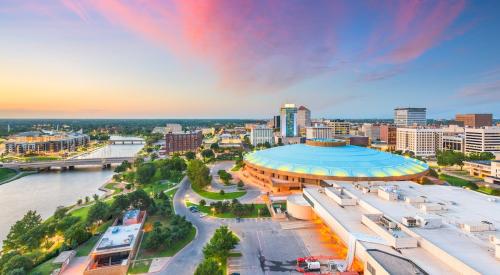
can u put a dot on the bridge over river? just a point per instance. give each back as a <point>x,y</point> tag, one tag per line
<point>67,163</point>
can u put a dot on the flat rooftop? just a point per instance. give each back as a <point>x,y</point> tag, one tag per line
<point>462,207</point>
<point>350,218</point>
<point>118,237</point>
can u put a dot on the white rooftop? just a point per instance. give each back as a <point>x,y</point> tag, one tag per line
<point>118,237</point>
<point>461,207</point>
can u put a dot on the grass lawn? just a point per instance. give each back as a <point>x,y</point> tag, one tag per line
<point>46,268</point>
<point>85,248</point>
<point>457,181</point>
<point>112,186</point>
<point>157,187</point>
<point>489,191</point>
<point>217,195</point>
<point>206,209</point>
<point>138,268</point>
<point>6,173</point>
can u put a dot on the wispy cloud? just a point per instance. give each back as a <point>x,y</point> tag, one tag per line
<point>486,90</point>
<point>270,45</point>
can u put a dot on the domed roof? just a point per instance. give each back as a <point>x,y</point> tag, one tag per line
<point>342,161</point>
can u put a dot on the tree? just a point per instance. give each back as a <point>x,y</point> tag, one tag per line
<point>203,202</point>
<point>240,184</point>
<point>16,238</point>
<point>220,244</point>
<point>190,155</point>
<point>156,237</point>
<point>95,197</point>
<point>225,176</point>
<point>214,146</point>
<point>67,222</point>
<point>87,199</point>
<point>207,154</point>
<point>222,193</point>
<point>198,173</point>
<point>120,204</point>
<point>76,234</point>
<point>139,199</point>
<point>124,166</point>
<point>17,271</point>
<point>79,201</point>
<point>98,212</point>
<point>17,262</point>
<point>267,144</point>
<point>145,173</point>
<point>208,267</point>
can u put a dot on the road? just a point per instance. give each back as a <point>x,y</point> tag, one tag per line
<point>187,259</point>
<point>258,237</point>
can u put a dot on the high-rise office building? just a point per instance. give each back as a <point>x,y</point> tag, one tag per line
<point>303,119</point>
<point>485,139</point>
<point>404,117</point>
<point>288,125</point>
<point>475,120</point>
<point>424,142</point>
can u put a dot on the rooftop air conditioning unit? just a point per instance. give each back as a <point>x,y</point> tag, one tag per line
<point>409,221</point>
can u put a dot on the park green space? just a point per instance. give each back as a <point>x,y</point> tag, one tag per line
<point>6,174</point>
<point>208,210</point>
<point>45,268</point>
<point>217,195</point>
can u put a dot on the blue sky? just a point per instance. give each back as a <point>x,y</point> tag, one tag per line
<point>243,59</point>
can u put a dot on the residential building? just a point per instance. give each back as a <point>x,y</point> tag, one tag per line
<point>183,142</point>
<point>484,139</point>
<point>319,132</point>
<point>45,142</point>
<point>423,142</point>
<point>478,168</point>
<point>303,119</point>
<point>261,134</point>
<point>475,120</point>
<point>118,246</point>
<point>388,134</point>
<point>288,115</point>
<point>404,117</point>
<point>339,127</point>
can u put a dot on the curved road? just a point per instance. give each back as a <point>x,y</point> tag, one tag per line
<point>185,261</point>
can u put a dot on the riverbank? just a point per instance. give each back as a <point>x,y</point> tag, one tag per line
<point>16,176</point>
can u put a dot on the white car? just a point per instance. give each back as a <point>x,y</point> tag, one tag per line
<point>202,215</point>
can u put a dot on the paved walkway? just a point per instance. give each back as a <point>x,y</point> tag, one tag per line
<point>158,264</point>
<point>76,266</point>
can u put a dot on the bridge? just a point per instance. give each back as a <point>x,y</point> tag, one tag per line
<point>67,163</point>
<point>115,140</point>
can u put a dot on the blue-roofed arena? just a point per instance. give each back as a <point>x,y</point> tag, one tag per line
<point>293,166</point>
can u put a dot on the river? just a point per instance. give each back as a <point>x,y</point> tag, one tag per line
<point>45,191</point>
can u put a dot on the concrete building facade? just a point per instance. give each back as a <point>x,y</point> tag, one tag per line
<point>475,120</point>
<point>261,135</point>
<point>404,117</point>
<point>485,139</point>
<point>339,127</point>
<point>46,142</point>
<point>319,132</point>
<point>423,142</point>
<point>388,134</point>
<point>303,119</point>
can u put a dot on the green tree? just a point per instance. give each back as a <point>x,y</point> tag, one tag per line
<point>225,176</point>
<point>124,166</point>
<point>97,212</point>
<point>76,234</point>
<point>16,239</point>
<point>120,204</point>
<point>190,155</point>
<point>203,202</point>
<point>145,173</point>
<point>17,262</point>
<point>207,154</point>
<point>220,244</point>
<point>139,199</point>
<point>198,173</point>
<point>214,146</point>
<point>208,267</point>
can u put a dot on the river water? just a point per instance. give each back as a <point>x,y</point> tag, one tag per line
<point>45,191</point>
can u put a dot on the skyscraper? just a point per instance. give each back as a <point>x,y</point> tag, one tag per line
<point>404,117</point>
<point>288,115</point>
<point>303,119</point>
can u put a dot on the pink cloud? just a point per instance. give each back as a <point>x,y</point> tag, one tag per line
<point>270,45</point>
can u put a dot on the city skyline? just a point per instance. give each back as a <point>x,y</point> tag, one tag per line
<point>237,59</point>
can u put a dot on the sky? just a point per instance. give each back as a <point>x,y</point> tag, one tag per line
<point>245,58</point>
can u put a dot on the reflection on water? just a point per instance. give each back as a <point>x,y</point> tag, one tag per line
<point>44,192</point>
